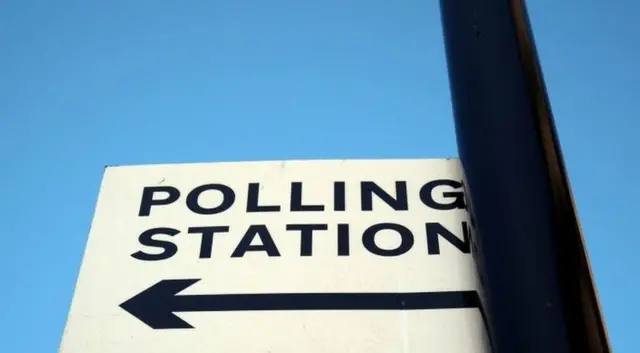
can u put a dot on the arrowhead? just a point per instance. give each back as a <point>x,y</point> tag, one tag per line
<point>154,306</point>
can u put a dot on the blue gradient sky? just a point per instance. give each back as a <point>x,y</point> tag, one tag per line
<point>88,83</point>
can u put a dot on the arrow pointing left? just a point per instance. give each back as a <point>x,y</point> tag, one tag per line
<point>156,305</point>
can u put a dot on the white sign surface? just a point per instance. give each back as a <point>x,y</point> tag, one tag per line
<point>361,256</point>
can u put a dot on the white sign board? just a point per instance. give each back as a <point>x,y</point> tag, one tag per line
<point>361,256</point>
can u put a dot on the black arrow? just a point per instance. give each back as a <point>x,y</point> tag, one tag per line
<point>156,305</point>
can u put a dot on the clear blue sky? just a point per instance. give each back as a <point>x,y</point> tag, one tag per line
<point>85,84</point>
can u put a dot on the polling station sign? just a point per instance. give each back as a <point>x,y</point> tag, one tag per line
<point>279,256</point>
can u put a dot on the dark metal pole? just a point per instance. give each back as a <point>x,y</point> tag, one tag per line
<point>539,293</point>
